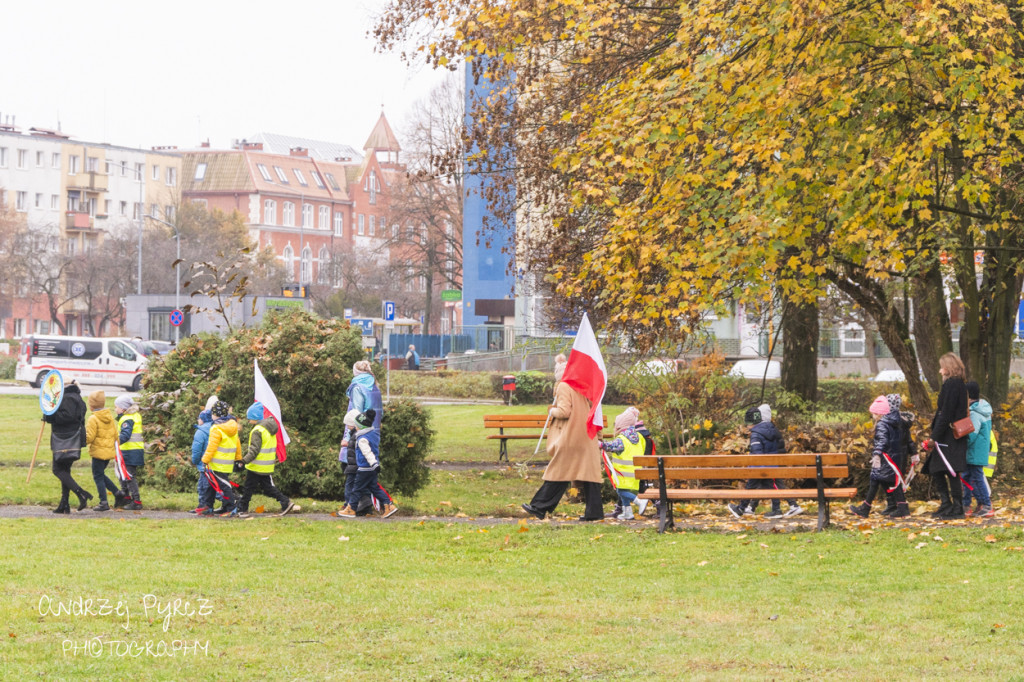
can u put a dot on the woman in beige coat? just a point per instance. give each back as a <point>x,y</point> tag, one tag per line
<point>574,455</point>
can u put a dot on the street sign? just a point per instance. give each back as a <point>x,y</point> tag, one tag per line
<point>51,392</point>
<point>389,311</point>
<point>364,323</point>
<point>177,318</point>
<point>451,295</point>
<point>348,313</point>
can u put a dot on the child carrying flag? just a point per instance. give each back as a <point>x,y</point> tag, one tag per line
<point>260,459</point>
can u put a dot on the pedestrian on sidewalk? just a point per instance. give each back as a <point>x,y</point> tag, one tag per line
<point>888,457</point>
<point>765,439</point>
<point>101,438</point>
<point>200,439</point>
<point>947,457</point>
<point>367,447</point>
<point>133,449</point>
<point>260,459</point>
<point>222,451</point>
<point>978,445</point>
<point>619,453</point>
<point>67,438</point>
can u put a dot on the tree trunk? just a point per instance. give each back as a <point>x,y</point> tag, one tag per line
<point>1001,285</point>
<point>870,349</point>
<point>800,331</point>
<point>931,323</point>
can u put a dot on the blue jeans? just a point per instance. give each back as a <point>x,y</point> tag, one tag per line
<point>350,486</point>
<point>203,486</point>
<point>366,484</point>
<point>626,497</point>
<point>103,482</point>
<point>975,475</point>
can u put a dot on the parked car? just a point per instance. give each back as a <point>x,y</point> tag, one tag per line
<point>111,362</point>
<point>151,347</point>
<point>662,367</point>
<point>757,369</point>
<point>890,375</point>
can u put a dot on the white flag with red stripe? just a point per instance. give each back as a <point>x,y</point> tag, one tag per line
<point>585,373</point>
<point>264,394</point>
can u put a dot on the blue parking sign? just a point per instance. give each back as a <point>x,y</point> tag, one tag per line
<point>389,311</point>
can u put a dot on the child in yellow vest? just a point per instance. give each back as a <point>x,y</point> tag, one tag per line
<point>222,451</point>
<point>618,455</point>
<point>259,459</point>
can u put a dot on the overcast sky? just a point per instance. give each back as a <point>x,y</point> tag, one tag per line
<point>142,74</point>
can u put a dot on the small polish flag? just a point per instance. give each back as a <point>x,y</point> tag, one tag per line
<point>264,394</point>
<point>585,373</point>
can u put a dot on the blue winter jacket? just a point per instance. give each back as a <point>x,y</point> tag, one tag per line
<point>200,440</point>
<point>765,439</point>
<point>371,436</point>
<point>978,442</point>
<point>364,393</point>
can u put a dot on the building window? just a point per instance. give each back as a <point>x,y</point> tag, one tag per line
<point>306,266</point>
<point>307,215</point>
<point>360,229</point>
<point>325,218</point>
<point>72,247</point>
<point>169,213</point>
<point>373,225</point>
<point>40,157</point>
<point>281,175</point>
<point>92,206</point>
<point>394,231</point>
<point>92,164</point>
<point>199,202</point>
<point>22,158</point>
<point>264,172</point>
<point>288,217</point>
<point>72,201</point>
<point>3,157</point>
<point>323,267</point>
<point>73,165</point>
<point>200,171</point>
<point>39,200</point>
<point>156,172</point>
<point>333,182</point>
<point>21,201</point>
<point>136,209</point>
<point>172,176</point>
<point>106,207</point>
<point>317,180</point>
<point>339,223</point>
<point>54,202</point>
<point>140,172</point>
<point>154,210</point>
<point>19,328</point>
<point>54,160</point>
<point>373,187</point>
<point>42,326</point>
<point>300,177</point>
<point>124,168</point>
<point>286,256</point>
<point>270,212</point>
<point>123,208</point>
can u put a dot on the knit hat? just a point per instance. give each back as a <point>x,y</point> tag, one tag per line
<point>97,399</point>
<point>125,403</point>
<point>362,367</point>
<point>626,419</point>
<point>973,390</point>
<point>766,412</point>
<point>365,420</point>
<point>752,416</point>
<point>220,409</point>
<point>211,401</point>
<point>350,418</point>
<point>895,402</point>
<point>205,417</point>
<point>255,411</point>
<point>880,406</point>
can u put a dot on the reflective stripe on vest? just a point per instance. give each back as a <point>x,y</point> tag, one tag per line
<point>135,442</point>
<point>623,463</point>
<point>993,454</point>
<point>227,451</point>
<point>265,461</point>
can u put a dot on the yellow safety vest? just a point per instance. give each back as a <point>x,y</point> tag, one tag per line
<point>135,442</point>
<point>623,463</point>
<point>265,461</point>
<point>227,451</point>
<point>993,453</point>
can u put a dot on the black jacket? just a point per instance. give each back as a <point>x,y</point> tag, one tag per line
<point>765,439</point>
<point>70,416</point>
<point>890,439</point>
<point>351,467</point>
<point>952,406</point>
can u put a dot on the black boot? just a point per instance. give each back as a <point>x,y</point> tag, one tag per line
<point>120,499</point>
<point>890,505</point>
<point>902,510</point>
<point>63,508</point>
<point>946,502</point>
<point>956,510</point>
<point>862,510</point>
<point>83,498</point>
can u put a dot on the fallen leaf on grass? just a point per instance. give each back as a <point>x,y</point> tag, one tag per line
<point>597,537</point>
<point>457,537</point>
<point>764,546</point>
<point>421,523</point>
<point>990,538</point>
<point>266,538</point>
<point>507,538</point>
<point>260,509</point>
<point>482,530</point>
<point>920,545</point>
<point>445,503</point>
<point>773,573</point>
<point>912,536</point>
<point>936,538</point>
<point>740,537</point>
<point>343,538</point>
<point>863,526</point>
<point>702,563</point>
<point>523,529</point>
<point>995,625</point>
<point>14,636</point>
<point>460,515</point>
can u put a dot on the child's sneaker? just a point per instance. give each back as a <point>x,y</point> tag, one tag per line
<point>774,514</point>
<point>242,514</point>
<point>290,508</point>
<point>793,511</point>
<point>199,511</point>
<point>133,506</point>
<point>614,513</point>
<point>986,511</point>
<point>862,510</point>
<point>749,511</point>
<point>641,507</point>
<point>389,509</point>
<point>347,513</point>
<point>969,511</point>
<point>735,510</point>
<point>626,515</point>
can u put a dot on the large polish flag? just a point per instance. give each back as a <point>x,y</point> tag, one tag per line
<point>585,373</point>
<point>265,395</point>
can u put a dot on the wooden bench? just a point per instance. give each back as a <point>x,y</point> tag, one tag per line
<point>721,468</point>
<point>534,422</point>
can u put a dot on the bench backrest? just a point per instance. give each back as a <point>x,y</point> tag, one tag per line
<point>736,467</point>
<point>519,421</point>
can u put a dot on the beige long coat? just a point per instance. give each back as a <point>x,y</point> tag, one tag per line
<point>574,456</point>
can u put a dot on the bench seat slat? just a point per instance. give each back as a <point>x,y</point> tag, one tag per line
<point>742,494</point>
<point>792,459</point>
<point>509,436</point>
<point>738,473</point>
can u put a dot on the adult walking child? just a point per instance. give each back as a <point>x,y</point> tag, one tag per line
<point>101,437</point>
<point>133,449</point>
<point>222,451</point>
<point>367,447</point>
<point>67,438</point>
<point>978,445</point>
<point>260,459</point>
<point>947,457</point>
<point>888,457</point>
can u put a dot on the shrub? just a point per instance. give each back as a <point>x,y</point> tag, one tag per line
<point>8,365</point>
<point>308,363</point>
<point>444,383</point>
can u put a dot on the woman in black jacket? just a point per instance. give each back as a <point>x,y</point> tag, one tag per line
<point>945,471</point>
<point>67,438</point>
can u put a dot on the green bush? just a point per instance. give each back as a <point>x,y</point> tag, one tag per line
<point>444,383</point>
<point>8,364</point>
<point>308,362</point>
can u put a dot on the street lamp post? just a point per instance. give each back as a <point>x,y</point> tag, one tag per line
<point>177,270</point>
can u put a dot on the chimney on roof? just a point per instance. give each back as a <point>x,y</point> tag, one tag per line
<point>298,151</point>
<point>205,145</point>
<point>252,146</point>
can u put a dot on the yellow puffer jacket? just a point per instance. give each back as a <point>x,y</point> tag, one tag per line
<point>101,434</point>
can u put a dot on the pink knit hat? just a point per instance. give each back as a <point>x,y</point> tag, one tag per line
<point>880,406</point>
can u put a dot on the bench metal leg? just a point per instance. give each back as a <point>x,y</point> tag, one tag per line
<point>502,446</point>
<point>665,518</point>
<point>824,520</point>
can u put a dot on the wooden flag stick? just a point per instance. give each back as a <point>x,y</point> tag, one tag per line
<point>42,425</point>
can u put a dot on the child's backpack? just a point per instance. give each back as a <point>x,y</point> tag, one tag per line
<point>993,454</point>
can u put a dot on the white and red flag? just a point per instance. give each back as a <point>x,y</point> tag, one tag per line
<point>265,395</point>
<point>585,373</point>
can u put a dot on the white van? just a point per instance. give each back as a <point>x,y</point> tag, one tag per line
<point>88,360</point>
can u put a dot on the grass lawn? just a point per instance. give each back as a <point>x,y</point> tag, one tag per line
<point>326,601</point>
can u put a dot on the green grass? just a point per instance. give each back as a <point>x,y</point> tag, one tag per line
<point>291,600</point>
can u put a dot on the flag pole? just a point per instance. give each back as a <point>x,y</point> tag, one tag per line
<point>36,452</point>
<point>541,439</point>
